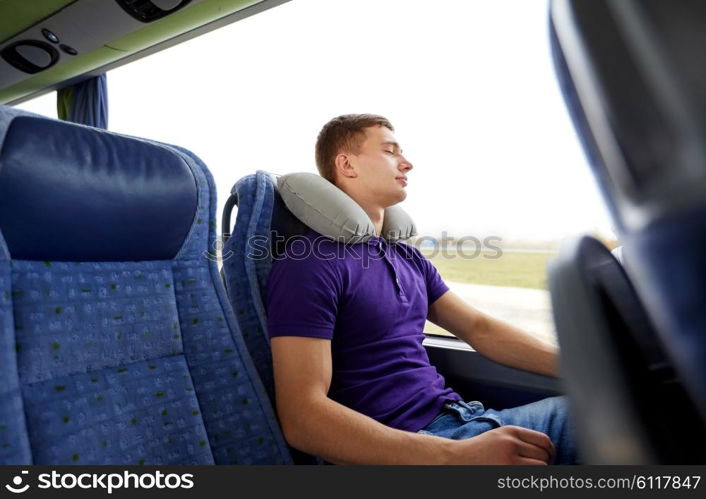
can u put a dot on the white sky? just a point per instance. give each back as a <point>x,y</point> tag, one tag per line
<point>468,85</point>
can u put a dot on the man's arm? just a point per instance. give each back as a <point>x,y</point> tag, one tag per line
<point>493,338</point>
<point>315,424</point>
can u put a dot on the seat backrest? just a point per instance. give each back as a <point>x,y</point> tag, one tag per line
<point>117,342</point>
<point>615,367</point>
<point>262,226</point>
<point>632,76</point>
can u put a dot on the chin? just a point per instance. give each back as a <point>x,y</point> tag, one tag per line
<point>398,198</point>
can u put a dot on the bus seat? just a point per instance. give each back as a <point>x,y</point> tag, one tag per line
<point>631,75</point>
<point>247,262</point>
<point>263,223</point>
<point>630,406</point>
<point>118,345</point>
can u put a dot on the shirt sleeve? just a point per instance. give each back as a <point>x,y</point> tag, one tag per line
<point>302,297</point>
<point>435,284</point>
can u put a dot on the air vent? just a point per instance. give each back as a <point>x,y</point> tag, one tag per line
<point>30,56</point>
<point>147,11</point>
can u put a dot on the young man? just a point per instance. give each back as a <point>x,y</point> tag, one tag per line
<point>353,382</point>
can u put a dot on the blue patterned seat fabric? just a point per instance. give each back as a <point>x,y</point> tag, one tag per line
<point>247,263</point>
<point>262,226</point>
<point>117,342</point>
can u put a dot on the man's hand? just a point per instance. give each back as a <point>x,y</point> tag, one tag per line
<point>505,445</point>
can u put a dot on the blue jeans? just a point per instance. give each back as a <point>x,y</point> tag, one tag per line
<point>461,420</point>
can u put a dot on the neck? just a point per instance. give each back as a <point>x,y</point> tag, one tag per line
<point>377,216</point>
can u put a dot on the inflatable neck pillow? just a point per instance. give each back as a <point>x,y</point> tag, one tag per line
<point>332,213</point>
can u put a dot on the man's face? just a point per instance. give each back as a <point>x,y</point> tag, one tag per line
<point>381,167</point>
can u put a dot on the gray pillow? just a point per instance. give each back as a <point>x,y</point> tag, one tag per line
<point>332,213</point>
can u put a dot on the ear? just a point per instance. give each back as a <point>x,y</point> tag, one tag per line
<point>345,166</point>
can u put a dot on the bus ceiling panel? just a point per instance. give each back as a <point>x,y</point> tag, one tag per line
<point>148,11</point>
<point>92,36</point>
<point>68,73</point>
<point>72,31</point>
<point>18,15</point>
<point>182,21</point>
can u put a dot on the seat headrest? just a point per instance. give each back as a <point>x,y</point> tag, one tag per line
<point>331,212</point>
<point>632,75</point>
<point>74,193</point>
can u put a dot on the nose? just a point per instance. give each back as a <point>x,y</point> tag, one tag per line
<point>405,165</point>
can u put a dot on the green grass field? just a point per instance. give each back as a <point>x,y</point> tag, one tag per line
<point>517,269</point>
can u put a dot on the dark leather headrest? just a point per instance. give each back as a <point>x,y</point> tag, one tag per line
<point>74,193</point>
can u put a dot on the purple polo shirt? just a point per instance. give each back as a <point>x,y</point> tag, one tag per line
<point>371,300</point>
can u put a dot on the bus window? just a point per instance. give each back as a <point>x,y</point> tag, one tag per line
<point>44,105</point>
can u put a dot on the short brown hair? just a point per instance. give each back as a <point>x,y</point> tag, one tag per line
<point>343,133</point>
